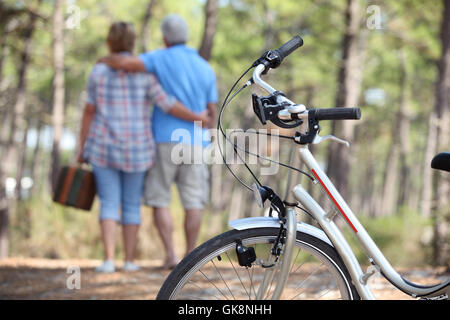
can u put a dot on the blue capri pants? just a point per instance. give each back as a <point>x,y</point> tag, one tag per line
<point>117,190</point>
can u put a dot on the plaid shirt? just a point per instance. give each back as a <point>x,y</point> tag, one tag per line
<point>120,135</point>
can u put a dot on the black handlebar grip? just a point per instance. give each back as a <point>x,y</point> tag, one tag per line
<point>335,114</point>
<point>290,46</point>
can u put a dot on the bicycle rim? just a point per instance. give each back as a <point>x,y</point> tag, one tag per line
<point>212,270</point>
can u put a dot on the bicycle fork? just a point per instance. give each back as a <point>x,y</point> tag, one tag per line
<point>285,260</point>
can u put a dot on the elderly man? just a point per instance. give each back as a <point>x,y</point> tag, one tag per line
<point>189,78</point>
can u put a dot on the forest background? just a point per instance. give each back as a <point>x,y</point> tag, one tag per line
<point>391,58</point>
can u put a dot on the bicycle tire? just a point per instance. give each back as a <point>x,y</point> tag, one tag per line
<point>220,248</point>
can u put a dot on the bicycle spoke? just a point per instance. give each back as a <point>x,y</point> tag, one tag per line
<point>201,289</point>
<point>240,280</point>
<point>293,261</point>
<point>323,294</point>
<point>213,284</point>
<point>225,279</point>
<point>306,279</point>
<point>220,275</point>
<point>251,282</point>
<point>270,288</point>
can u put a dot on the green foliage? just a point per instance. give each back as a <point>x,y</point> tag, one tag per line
<point>400,237</point>
<point>245,29</point>
<point>41,228</point>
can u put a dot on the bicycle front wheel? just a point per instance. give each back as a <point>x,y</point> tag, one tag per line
<point>212,270</point>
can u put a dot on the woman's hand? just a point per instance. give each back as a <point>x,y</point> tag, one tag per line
<point>88,116</point>
<point>79,157</point>
<point>206,119</point>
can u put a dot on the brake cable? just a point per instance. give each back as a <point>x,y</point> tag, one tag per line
<point>225,103</point>
<point>219,127</point>
<point>270,160</point>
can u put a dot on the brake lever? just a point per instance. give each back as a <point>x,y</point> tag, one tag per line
<point>318,139</point>
<point>267,109</point>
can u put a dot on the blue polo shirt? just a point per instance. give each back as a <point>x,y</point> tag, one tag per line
<point>189,78</point>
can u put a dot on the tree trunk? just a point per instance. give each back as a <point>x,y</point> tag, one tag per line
<point>58,86</point>
<point>236,204</point>
<point>17,125</point>
<point>430,151</point>
<point>368,196</point>
<point>5,112</point>
<point>210,29</point>
<point>270,34</point>
<point>396,167</point>
<point>145,34</point>
<point>21,158</point>
<point>403,132</point>
<point>18,122</point>
<point>349,88</point>
<point>441,214</point>
<point>3,52</point>
<point>36,155</point>
<point>4,217</point>
<point>390,187</point>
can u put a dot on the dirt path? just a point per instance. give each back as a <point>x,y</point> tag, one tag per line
<point>47,279</point>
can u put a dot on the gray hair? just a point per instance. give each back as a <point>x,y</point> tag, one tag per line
<point>174,29</point>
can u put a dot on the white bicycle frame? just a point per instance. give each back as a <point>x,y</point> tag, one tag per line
<point>337,238</point>
<point>333,233</point>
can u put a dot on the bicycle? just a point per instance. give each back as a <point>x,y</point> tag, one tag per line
<point>276,256</point>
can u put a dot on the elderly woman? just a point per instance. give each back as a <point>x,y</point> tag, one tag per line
<point>116,139</point>
<point>185,74</point>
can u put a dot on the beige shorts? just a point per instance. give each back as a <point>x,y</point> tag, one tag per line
<point>191,177</point>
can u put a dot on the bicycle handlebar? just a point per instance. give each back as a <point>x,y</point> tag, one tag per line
<point>272,59</point>
<point>289,47</point>
<point>292,115</point>
<point>335,114</point>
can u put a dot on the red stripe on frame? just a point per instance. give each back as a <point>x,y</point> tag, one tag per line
<point>334,201</point>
